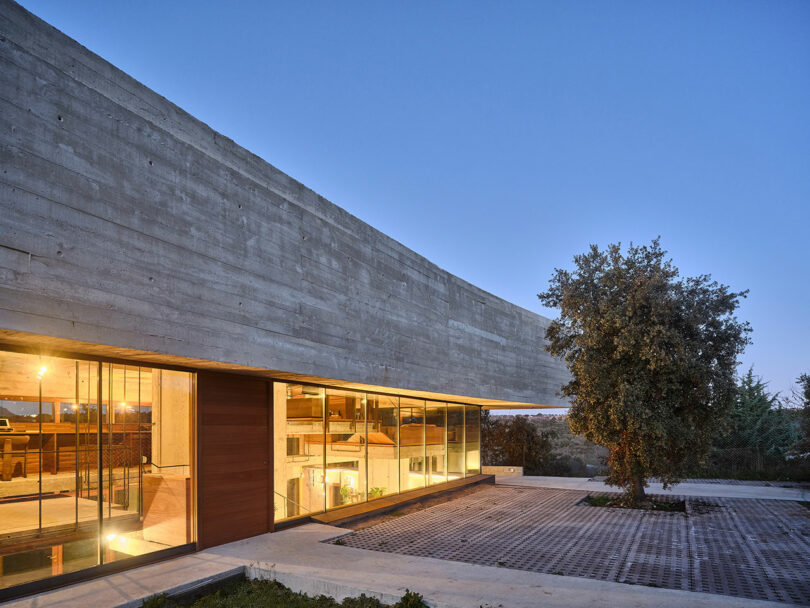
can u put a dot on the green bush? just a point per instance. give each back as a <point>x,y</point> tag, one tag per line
<point>271,594</point>
<point>411,599</point>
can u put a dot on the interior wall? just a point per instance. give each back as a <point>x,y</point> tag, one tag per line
<point>170,444</point>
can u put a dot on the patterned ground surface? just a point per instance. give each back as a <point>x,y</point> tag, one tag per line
<point>742,547</point>
<point>736,482</point>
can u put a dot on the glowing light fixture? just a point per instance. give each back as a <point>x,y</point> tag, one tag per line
<point>110,537</point>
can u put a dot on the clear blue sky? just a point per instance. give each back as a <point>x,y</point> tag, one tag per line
<point>500,139</point>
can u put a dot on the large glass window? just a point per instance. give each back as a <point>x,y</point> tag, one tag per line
<point>436,442</point>
<point>337,447</point>
<point>411,444</point>
<point>472,439</point>
<point>298,429</point>
<point>345,448</point>
<point>383,445</point>
<point>95,464</point>
<point>455,442</point>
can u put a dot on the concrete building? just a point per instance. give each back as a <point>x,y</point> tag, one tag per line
<point>195,347</point>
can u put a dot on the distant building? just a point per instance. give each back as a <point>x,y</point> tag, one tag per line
<point>194,347</point>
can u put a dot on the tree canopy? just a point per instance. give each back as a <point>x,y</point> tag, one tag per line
<point>757,422</point>
<point>652,358</point>
<point>514,441</point>
<point>801,449</point>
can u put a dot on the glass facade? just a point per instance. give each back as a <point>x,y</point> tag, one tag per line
<point>339,447</point>
<point>95,464</point>
<point>96,457</point>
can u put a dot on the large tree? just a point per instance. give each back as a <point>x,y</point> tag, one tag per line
<point>652,358</point>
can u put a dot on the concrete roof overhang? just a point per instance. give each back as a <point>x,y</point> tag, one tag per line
<point>56,347</point>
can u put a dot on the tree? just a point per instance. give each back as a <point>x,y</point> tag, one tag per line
<point>514,441</point>
<point>801,398</point>
<point>758,424</point>
<point>652,359</point>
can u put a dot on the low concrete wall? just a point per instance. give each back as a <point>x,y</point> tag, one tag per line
<point>502,471</point>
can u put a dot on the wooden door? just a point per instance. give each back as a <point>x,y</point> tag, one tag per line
<point>234,458</point>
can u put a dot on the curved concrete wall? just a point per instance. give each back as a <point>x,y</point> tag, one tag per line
<point>127,222</point>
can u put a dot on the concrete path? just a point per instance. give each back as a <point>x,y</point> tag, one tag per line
<point>299,559</point>
<point>682,489</point>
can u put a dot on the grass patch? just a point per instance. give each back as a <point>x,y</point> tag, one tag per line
<point>270,594</point>
<point>619,502</point>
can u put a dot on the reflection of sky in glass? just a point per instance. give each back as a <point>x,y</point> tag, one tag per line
<point>18,409</point>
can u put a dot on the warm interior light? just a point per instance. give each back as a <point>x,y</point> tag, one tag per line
<point>111,537</point>
<point>41,372</point>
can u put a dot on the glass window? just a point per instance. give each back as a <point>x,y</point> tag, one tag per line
<point>472,439</point>
<point>436,442</point>
<point>345,448</point>
<point>383,445</point>
<point>411,444</point>
<point>50,481</point>
<point>455,441</point>
<point>298,471</point>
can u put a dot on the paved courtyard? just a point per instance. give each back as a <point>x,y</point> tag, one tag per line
<point>751,548</point>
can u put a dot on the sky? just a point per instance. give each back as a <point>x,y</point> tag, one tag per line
<point>501,139</point>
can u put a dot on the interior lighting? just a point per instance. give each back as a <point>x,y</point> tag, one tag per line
<point>41,372</point>
<point>110,537</point>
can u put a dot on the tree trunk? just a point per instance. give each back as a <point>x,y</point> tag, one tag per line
<point>637,495</point>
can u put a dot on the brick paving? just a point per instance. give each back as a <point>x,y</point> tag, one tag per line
<point>742,547</point>
<point>732,482</point>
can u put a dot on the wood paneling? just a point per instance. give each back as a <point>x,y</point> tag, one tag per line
<point>234,458</point>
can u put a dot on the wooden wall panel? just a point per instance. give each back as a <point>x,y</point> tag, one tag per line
<point>234,458</point>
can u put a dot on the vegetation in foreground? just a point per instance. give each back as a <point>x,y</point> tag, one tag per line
<point>270,594</point>
<point>652,357</point>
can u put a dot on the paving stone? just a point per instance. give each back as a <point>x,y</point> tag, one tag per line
<point>757,549</point>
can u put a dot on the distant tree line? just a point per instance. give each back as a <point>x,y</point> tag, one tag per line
<point>764,436</point>
<point>542,445</point>
<point>514,441</point>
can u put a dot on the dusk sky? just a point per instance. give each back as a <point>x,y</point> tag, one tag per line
<point>500,139</point>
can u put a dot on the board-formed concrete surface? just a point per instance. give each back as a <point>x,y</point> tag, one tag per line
<point>749,548</point>
<point>127,222</point>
